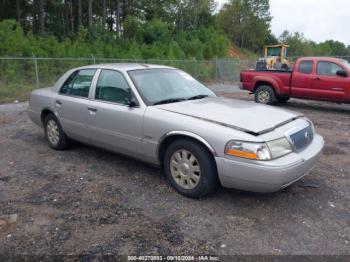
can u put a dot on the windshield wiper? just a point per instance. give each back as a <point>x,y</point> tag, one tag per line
<point>170,100</point>
<point>197,97</point>
<point>174,100</point>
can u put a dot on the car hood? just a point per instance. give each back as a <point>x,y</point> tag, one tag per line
<point>246,116</point>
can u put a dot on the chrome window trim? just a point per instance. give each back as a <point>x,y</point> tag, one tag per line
<point>73,96</point>
<point>112,103</point>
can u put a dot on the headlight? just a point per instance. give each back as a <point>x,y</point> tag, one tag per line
<point>279,147</point>
<point>259,151</point>
<point>312,125</point>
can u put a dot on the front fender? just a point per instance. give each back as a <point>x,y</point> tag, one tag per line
<point>186,134</point>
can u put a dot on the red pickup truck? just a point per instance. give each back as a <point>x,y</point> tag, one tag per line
<point>317,78</point>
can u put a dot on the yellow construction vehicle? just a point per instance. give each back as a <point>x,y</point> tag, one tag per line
<point>273,52</point>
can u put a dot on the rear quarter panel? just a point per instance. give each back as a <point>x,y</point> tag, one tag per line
<point>279,80</point>
<point>40,100</point>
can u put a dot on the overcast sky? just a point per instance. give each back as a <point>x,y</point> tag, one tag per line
<point>319,20</point>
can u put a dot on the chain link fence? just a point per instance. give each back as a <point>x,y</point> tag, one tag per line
<point>20,75</point>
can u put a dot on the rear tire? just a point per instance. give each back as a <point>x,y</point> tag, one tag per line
<point>265,95</point>
<point>54,134</point>
<point>190,168</point>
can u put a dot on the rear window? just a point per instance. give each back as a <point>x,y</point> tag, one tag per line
<point>305,67</point>
<point>78,83</point>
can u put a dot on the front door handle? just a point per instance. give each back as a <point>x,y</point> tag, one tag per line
<point>317,78</point>
<point>92,110</point>
<point>58,103</point>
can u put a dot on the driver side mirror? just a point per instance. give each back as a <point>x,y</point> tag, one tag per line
<point>133,102</point>
<point>342,73</point>
<point>129,99</point>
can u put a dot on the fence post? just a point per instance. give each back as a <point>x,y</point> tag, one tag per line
<point>36,71</point>
<point>216,68</point>
<point>93,59</point>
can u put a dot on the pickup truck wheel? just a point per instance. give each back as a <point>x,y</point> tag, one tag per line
<point>54,134</point>
<point>282,99</point>
<point>265,95</point>
<point>190,168</point>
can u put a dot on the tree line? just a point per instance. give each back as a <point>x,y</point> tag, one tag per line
<point>157,29</point>
<point>66,17</point>
<point>301,46</point>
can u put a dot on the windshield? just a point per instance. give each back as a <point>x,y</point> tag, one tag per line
<point>346,63</point>
<point>273,51</point>
<point>158,86</point>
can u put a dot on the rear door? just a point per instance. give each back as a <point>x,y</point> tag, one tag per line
<point>327,84</point>
<point>113,124</point>
<point>302,79</point>
<point>72,101</point>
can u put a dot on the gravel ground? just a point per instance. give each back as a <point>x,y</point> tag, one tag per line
<point>86,201</point>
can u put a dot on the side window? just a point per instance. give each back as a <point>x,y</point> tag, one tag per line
<point>305,67</point>
<point>327,68</point>
<point>78,83</point>
<point>112,87</point>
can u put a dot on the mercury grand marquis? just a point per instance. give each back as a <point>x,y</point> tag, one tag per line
<point>163,116</point>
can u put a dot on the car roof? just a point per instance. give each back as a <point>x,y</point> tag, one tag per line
<point>125,66</point>
<point>323,58</point>
<point>116,66</point>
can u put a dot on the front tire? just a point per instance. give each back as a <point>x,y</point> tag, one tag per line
<point>54,134</point>
<point>265,95</point>
<point>190,168</point>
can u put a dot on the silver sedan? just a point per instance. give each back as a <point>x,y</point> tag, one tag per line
<point>163,116</point>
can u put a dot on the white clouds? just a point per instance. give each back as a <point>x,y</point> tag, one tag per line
<point>318,20</point>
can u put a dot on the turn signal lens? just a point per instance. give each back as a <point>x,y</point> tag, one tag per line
<point>239,153</point>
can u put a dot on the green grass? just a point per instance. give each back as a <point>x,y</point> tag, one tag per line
<point>15,91</point>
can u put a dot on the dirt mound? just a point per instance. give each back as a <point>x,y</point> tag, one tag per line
<point>234,52</point>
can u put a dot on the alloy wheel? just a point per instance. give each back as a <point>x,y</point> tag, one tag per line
<point>53,133</point>
<point>264,97</point>
<point>185,169</point>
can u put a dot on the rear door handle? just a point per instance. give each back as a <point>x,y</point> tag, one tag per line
<point>92,110</point>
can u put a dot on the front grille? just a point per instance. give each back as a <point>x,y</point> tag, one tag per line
<point>302,138</point>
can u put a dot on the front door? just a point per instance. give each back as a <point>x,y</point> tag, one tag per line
<point>327,84</point>
<point>112,123</point>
